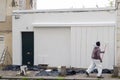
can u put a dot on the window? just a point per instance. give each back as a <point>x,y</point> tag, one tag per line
<point>68,4</point>
<point>1,44</point>
<point>1,38</point>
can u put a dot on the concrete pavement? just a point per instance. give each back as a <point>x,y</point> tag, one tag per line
<point>31,76</point>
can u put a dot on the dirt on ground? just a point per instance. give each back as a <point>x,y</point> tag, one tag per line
<point>31,75</point>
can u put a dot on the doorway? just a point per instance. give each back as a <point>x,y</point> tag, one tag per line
<point>28,48</point>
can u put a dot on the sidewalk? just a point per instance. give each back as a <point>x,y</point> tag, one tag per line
<point>31,75</point>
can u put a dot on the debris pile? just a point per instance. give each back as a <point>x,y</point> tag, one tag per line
<point>48,72</point>
<point>108,71</point>
<point>12,68</point>
<point>23,70</point>
<point>60,71</point>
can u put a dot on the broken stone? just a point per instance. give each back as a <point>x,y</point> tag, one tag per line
<point>23,70</point>
<point>108,71</point>
<point>12,67</point>
<point>63,71</point>
<point>42,66</point>
<point>70,72</point>
<point>42,73</point>
<point>48,72</point>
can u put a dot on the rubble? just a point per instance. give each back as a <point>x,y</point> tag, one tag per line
<point>12,68</point>
<point>43,70</point>
<point>47,73</point>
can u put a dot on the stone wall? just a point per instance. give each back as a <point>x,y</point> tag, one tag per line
<point>6,26</point>
<point>6,29</point>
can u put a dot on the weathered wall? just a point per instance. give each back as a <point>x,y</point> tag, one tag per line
<point>6,29</point>
<point>6,26</point>
<point>118,32</point>
<point>8,43</point>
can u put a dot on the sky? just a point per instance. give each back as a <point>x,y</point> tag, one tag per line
<point>62,4</point>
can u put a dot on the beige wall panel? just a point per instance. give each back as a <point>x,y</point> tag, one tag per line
<point>2,10</point>
<point>8,43</point>
<point>28,4</point>
<point>118,0</point>
<point>7,25</point>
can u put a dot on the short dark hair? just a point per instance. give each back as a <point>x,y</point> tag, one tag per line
<point>98,43</point>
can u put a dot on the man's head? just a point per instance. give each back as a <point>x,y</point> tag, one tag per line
<point>97,43</point>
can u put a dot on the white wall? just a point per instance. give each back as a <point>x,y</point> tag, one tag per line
<point>83,40</point>
<point>52,46</point>
<point>81,23</point>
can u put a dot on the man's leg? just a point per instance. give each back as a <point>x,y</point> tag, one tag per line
<point>99,68</point>
<point>91,67</point>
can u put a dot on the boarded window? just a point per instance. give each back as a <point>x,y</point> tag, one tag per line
<point>1,45</point>
<point>1,38</point>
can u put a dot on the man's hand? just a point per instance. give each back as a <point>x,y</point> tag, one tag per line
<point>103,51</point>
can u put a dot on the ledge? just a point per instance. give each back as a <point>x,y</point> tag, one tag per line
<point>62,10</point>
<point>110,24</point>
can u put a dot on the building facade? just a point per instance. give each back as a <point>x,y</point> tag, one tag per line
<point>6,33</point>
<point>6,8</point>
<point>63,37</point>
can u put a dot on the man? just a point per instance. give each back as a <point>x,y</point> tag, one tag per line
<point>96,61</point>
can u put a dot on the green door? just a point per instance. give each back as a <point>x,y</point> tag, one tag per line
<point>28,48</point>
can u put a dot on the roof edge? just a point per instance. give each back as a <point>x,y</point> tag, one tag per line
<point>63,10</point>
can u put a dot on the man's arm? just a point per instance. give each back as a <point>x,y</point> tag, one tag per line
<point>101,51</point>
<point>98,54</point>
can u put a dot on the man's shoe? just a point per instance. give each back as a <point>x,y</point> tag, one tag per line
<point>87,74</point>
<point>100,77</point>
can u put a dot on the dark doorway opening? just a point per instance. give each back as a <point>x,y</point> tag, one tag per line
<point>28,48</point>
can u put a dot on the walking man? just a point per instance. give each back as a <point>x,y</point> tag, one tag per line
<point>96,61</point>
